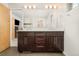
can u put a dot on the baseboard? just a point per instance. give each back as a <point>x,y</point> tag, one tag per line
<point>12,45</point>
<point>65,53</point>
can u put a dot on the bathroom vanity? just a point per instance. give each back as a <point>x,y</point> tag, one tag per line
<point>43,41</point>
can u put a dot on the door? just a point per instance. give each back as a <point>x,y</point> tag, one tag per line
<point>59,43</point>
<point>51,45</point>
<point>28,42</point>
<point>4,27</point>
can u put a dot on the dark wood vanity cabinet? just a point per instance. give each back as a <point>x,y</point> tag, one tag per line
<point>41,41</point>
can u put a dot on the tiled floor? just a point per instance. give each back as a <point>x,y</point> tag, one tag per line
<point>13,52</point>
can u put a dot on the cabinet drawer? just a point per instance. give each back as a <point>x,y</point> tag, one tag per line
<point>28,34</point>
<point>55,34</point>
<point>40,34</point>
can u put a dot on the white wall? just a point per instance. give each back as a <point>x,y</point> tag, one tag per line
<point>16,17</point>
<point>71,36</point>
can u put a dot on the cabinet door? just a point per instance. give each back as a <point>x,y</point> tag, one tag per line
<point>59,43</point>
<point>55,43</point>
<point>28,42</point>
<point>20,42</point>
<point>50,40</point>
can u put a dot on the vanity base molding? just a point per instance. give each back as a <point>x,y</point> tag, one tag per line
<point>41,41</point>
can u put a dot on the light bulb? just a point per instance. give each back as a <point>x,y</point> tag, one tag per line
<point>50,6</point>
<point>30,6</point>
<point>25,6</point>
<point>46,6</point>
<point>54,6</point>
<point>34,6</point>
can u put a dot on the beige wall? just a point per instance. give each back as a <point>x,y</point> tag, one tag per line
<point>4,27</point>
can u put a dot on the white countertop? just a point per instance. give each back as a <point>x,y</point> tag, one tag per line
<point>43,30</point>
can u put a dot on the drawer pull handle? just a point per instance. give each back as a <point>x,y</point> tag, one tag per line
<point>40,46</point>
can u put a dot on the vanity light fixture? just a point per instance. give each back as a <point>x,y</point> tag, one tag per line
<point>46,6</point>
<point>25,7</point>
<point>30,6</point>
<point>50,6</point>
<point>34,6</point>
<point>54,6</point>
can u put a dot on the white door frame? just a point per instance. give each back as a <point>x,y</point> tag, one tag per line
<point>12,44</point>
<point>10,27</point>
